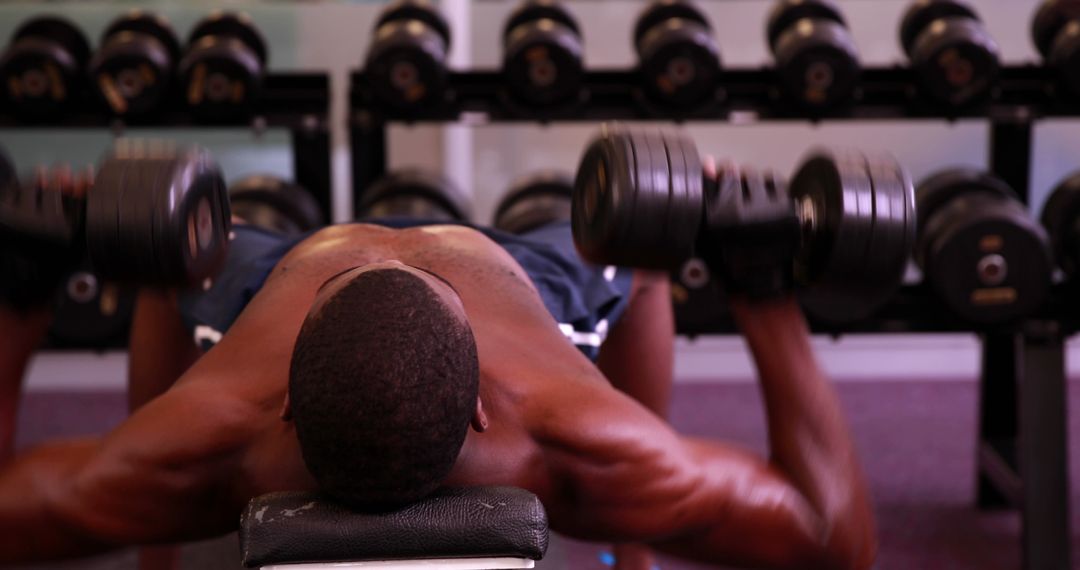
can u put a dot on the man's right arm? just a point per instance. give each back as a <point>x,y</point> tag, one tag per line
<point>144,483</point>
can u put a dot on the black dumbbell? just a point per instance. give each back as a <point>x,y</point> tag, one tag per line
<point>1055,29</point>
<point>641,199</point>
<point>535,201</point>
<point>978,247</point>
<point>406,61</point>
<point>272,203</point>
<point>417,194</point>
<point>132,71</point>
<point>954,58</point>
<point>157,215</point>
<point>542,53</point>
<point>816,61</point>
<point>43,68</point>
<point>222,71</point>
<point>678,58</point>
<point>1061,218</point>
<point>697,299</point>
<point>91,312</point>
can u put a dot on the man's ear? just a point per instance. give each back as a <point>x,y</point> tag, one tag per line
<point>479,420</point>
<point>286,409</point>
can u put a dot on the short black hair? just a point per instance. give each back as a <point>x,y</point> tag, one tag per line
<point>383,384</point>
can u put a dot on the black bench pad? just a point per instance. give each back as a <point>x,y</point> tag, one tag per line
<point>468,522</point>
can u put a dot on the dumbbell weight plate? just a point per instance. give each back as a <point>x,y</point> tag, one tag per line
<point>220,76</point>
<point>133,69</point>
<point>631,205</point>
<point>60,30</point>
<point>662,10</point>
<point>853,254</point>
<point>415,193</point>
<point>231,25</point>
<point>969,218</point>
<point>922,13</point>
<point>272,203</point>
<point>533,10</point>
<point>42,68</point>
<point>543,62</point>
<point>957,61</point>
<point>150,24</point>
<point>407,64</point>
<point>91,312</point>
<point>820,69</point>
<point>157,215</point>
<point>988,261</point>
<point>421,10</point>
<point>785,13</point>
<point>1061,218</point>
<point>680,63</point>
<point>534,202</point>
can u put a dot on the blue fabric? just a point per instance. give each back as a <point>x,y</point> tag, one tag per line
<point>585,300</point>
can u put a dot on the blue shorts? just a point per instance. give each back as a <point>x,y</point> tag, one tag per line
<point>585,300</point>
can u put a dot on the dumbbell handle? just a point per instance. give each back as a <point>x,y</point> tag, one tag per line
<point>752,233</point>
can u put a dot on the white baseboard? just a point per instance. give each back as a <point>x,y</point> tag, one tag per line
<point>856,358</point>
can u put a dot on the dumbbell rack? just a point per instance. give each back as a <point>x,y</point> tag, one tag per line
<point>299,102</point>
<point>1021,449</point>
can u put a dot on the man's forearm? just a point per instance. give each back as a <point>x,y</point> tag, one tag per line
<point>32,527</point>
<point>808,435</point>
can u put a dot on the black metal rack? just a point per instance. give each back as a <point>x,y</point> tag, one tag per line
<point>299,102</point>
<point>1022,452</point>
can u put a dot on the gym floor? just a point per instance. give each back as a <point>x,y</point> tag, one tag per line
<point>916,439</point>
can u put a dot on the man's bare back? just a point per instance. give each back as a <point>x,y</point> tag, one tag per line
<point>605,467</point>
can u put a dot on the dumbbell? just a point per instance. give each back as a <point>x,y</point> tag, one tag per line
<point>542,53</point>
<point>954,58</point>
<point>132,71</point>
<point>43,68</point>
<point>678,58</point>
<point>417,194</point>
<point>535,201</point>
<point>156,215</point>
<point>407,58</point>
<point>272,203</point>
<point>816,61</point>
<point>641,199</point>
<point>1055,29</point>
<point>222,71</point>
<point>979,249</point>
<point>1061,218</point>
<point>91,312</point>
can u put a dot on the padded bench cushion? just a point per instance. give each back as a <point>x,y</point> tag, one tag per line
<point>471,522</point>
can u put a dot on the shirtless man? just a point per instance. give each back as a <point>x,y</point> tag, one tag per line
<point>436,346</point>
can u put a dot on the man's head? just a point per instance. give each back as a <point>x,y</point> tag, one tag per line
<point>383,385</point>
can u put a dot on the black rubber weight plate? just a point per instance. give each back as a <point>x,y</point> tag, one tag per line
<point>922,12</point>
<point>839,187</point>
<point>662,10</point>
<point>894,225</point>
<point>784,14</point>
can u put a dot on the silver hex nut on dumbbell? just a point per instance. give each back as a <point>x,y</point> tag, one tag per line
<point>641,199</point>
<point>158,214</point>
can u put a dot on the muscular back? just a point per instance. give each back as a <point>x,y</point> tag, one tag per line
<point>529,370</point>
